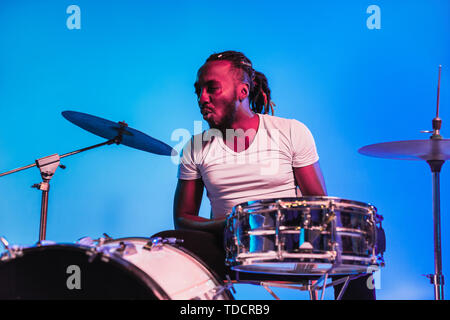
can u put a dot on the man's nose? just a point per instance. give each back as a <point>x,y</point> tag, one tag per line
<point>203,97</point>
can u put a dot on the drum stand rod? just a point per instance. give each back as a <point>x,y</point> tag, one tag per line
<point>345,280</point>
<point>315,287</point>
<point>265,286</point>
<point>344,287</point>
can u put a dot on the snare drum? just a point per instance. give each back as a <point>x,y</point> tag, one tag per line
<point>128,268</point>
<point>303,236</point>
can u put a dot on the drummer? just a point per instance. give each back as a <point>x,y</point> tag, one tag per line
<point>246,155</point>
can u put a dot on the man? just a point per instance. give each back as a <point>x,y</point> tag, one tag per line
<point>225,95</point>
<point>246,155</point>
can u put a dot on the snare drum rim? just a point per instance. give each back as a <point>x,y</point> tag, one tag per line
<point>211,273</point>
<point>264,202</point>
<point>121,263</point>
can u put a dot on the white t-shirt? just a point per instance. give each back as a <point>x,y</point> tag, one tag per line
<point>263,171</point>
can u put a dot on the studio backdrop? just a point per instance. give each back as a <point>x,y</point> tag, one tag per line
<point>355,72</point>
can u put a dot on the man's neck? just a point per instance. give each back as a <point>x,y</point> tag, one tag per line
<point>243,131</point>
<point>244,118</point>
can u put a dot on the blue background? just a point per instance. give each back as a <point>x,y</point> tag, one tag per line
<point>137,60</point>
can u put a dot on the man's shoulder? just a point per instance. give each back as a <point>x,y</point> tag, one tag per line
<point>280,122</point>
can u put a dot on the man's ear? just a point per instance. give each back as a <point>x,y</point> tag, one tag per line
<point>243,91</point>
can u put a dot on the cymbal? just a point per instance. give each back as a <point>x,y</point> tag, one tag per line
<point>118,131</point>
<point>425,150</point>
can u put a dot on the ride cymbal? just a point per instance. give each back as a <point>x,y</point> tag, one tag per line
<point>118,131</point>
<point>426,150</point>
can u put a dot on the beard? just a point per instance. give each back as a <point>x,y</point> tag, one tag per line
<point>227,119</point>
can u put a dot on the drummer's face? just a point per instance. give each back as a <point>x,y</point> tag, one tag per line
<point>216,93</point>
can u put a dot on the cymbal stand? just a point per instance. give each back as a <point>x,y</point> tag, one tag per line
<point>47,167</point>
<point>437,279</point>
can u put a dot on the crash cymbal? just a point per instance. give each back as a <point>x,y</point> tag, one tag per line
<point>118,131</point>
<point>430,149</point>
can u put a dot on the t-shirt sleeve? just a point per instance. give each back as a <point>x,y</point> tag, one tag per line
<point>304,152</point>
<point>187,169</point>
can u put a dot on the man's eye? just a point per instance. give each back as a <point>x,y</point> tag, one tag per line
<point>213,89</point>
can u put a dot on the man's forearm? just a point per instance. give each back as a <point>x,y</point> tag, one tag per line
<point>191,222</point>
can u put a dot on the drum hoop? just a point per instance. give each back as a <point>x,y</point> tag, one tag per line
<point>336,200</point>
<point>213,275</point>
<point>247,258</point>
<point>121,263</point>
<point>251,258</point>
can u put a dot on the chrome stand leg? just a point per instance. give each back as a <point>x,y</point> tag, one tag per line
<point>270,291</point>
<point>344,287</point>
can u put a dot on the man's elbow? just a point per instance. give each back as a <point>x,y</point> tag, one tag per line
<point>181,221</point>
<point>177,221</point>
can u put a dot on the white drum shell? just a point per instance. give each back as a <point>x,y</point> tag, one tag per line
<point>177,272</point>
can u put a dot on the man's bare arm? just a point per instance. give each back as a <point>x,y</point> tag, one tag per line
<point>310,180</point>
<point>186,206</point>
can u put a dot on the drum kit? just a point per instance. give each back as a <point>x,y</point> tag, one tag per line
<point>316,238</point>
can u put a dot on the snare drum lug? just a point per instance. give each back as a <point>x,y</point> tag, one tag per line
<point>282,204</point>
<point>278,241</point>
<point>336,254</point>
<point>308,218</point>
<point>380,261</point>
<point>373,261</point>
<point>333,255</point>
<point>238,246</point>
<point>330,213</point>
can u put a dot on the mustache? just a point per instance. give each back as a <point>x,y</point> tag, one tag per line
<point>204,110</point>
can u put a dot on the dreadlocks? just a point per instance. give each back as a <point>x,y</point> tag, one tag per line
<point>259,95</point>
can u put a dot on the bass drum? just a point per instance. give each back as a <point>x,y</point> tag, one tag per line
<point>129,268</point>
